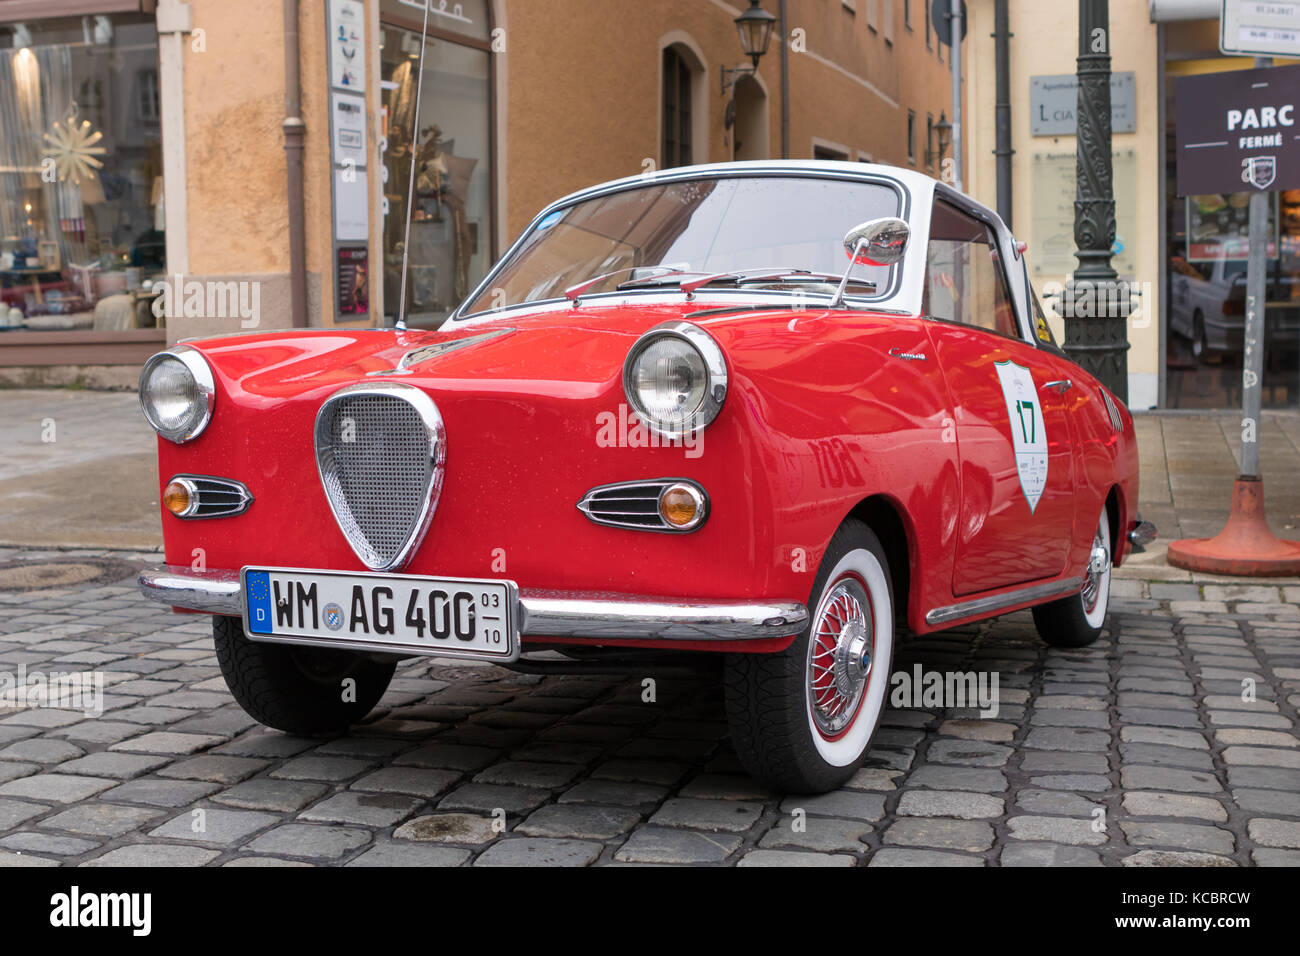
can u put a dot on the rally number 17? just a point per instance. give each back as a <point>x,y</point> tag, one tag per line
<point>1028,429</point>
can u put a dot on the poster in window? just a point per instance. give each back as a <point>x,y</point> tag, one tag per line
<point>352,280</point>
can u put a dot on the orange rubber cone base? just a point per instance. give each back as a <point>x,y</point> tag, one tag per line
<point>1246,546</point>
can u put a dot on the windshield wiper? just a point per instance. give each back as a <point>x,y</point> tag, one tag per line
<point>772,276</point>
<point>574,291</point>
<point>738,278</point>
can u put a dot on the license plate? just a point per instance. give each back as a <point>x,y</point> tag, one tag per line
<point>440,617</point>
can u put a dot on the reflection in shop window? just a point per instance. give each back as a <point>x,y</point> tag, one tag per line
<point>81,216</point>
<point>1209,248</point>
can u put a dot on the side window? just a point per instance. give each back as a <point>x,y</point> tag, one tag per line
<point>964,279</point>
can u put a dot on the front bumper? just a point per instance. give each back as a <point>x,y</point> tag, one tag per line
<point>541,613</point>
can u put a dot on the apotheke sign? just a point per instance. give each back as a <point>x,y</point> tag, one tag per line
<point>1053,100</point>
<point>1238,131</point>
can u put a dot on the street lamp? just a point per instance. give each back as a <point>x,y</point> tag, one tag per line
<point>755,27</point>
<point>943,135</point>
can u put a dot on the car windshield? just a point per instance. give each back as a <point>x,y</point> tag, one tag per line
<point>773,229</point>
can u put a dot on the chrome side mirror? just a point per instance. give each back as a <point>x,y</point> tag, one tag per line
<point>880,242</point>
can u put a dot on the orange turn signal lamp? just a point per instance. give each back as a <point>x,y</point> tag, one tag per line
<point>682,506</point>
<point>180,497</point>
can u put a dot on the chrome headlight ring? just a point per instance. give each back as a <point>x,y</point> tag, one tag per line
<point>200,413</point>
<point>715,384</point>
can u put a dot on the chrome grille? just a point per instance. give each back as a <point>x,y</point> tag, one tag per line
<point>214,497</point>
<point>380,451</point>
<point>1113,411</point>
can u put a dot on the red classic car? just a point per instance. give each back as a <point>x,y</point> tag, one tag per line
<point>673,417</point>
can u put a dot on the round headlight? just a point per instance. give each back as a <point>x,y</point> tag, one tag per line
<point>177,393</point>
<point>675,379</point>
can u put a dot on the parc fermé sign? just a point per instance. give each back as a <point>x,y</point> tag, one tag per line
<point>1238,131</point>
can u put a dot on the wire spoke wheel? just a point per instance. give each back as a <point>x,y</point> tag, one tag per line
<point>1077,620</point>
<point>840,657</point>
<point>1095,592</point>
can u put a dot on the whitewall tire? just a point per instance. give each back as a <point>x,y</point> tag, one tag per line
<point>802,720</point>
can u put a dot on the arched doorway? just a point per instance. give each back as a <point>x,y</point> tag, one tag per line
<point>750,132</point>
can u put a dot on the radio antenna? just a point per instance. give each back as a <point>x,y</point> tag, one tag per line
<point>410,188</point>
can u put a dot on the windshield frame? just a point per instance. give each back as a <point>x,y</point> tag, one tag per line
<point>889,290</point>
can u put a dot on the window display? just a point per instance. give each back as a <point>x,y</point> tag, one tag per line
<point>450,147</point>
<point>81,212</point>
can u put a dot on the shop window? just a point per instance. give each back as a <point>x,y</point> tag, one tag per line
<point>451,147</point>
<point>81,216</point>
<point>1206,250</point>
<point>676,147</point>
<point>1206,296</point>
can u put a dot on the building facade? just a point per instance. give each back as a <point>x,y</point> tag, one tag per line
<point>173,169</point>
<point>1184,256</point>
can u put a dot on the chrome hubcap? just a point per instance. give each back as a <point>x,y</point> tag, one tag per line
<point>1098,565</point>
<point>840,656</point>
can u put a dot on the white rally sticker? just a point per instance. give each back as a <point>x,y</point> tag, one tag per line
<point>1028,433</point>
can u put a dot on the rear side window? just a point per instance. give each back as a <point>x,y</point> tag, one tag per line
<point>1042,330</point>
<point>964,279</point>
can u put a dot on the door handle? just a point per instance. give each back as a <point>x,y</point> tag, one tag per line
<point>1063,386</point>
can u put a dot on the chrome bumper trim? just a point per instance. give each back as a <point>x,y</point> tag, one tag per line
<point>542,613</point>
<point>214,592</point>
<point>987,605</point>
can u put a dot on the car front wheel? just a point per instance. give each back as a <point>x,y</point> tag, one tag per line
<point>1077,621</point>
<point>300,690</point>
<point>802,720</point>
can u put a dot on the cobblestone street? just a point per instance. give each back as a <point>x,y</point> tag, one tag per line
<point>1173,741</point>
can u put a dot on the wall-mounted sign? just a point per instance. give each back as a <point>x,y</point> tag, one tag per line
<point>351,205</point>
<point>1238,130</point>
<point>1053,101</point>
<point>348,129</point>
<point>1260,28</point>
<point>352,281</point>
<point>347,26</point>
<point>1052,178</point>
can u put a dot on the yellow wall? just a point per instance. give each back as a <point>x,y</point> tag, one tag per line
<point>584,87</point>
<point>579,101</point>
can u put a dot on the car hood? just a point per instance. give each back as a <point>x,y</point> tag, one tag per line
<point>575,352</point>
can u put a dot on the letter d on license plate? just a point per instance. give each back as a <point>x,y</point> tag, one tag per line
<point>398,613</point>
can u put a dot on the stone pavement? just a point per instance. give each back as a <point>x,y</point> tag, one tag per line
<point>79,469</point>
<point>1172,741</point>
<point>1189,462</point>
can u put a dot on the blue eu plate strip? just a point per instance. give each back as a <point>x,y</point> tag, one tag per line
<point>258,589</point>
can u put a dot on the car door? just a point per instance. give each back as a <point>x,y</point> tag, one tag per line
<point>1009,400</point>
